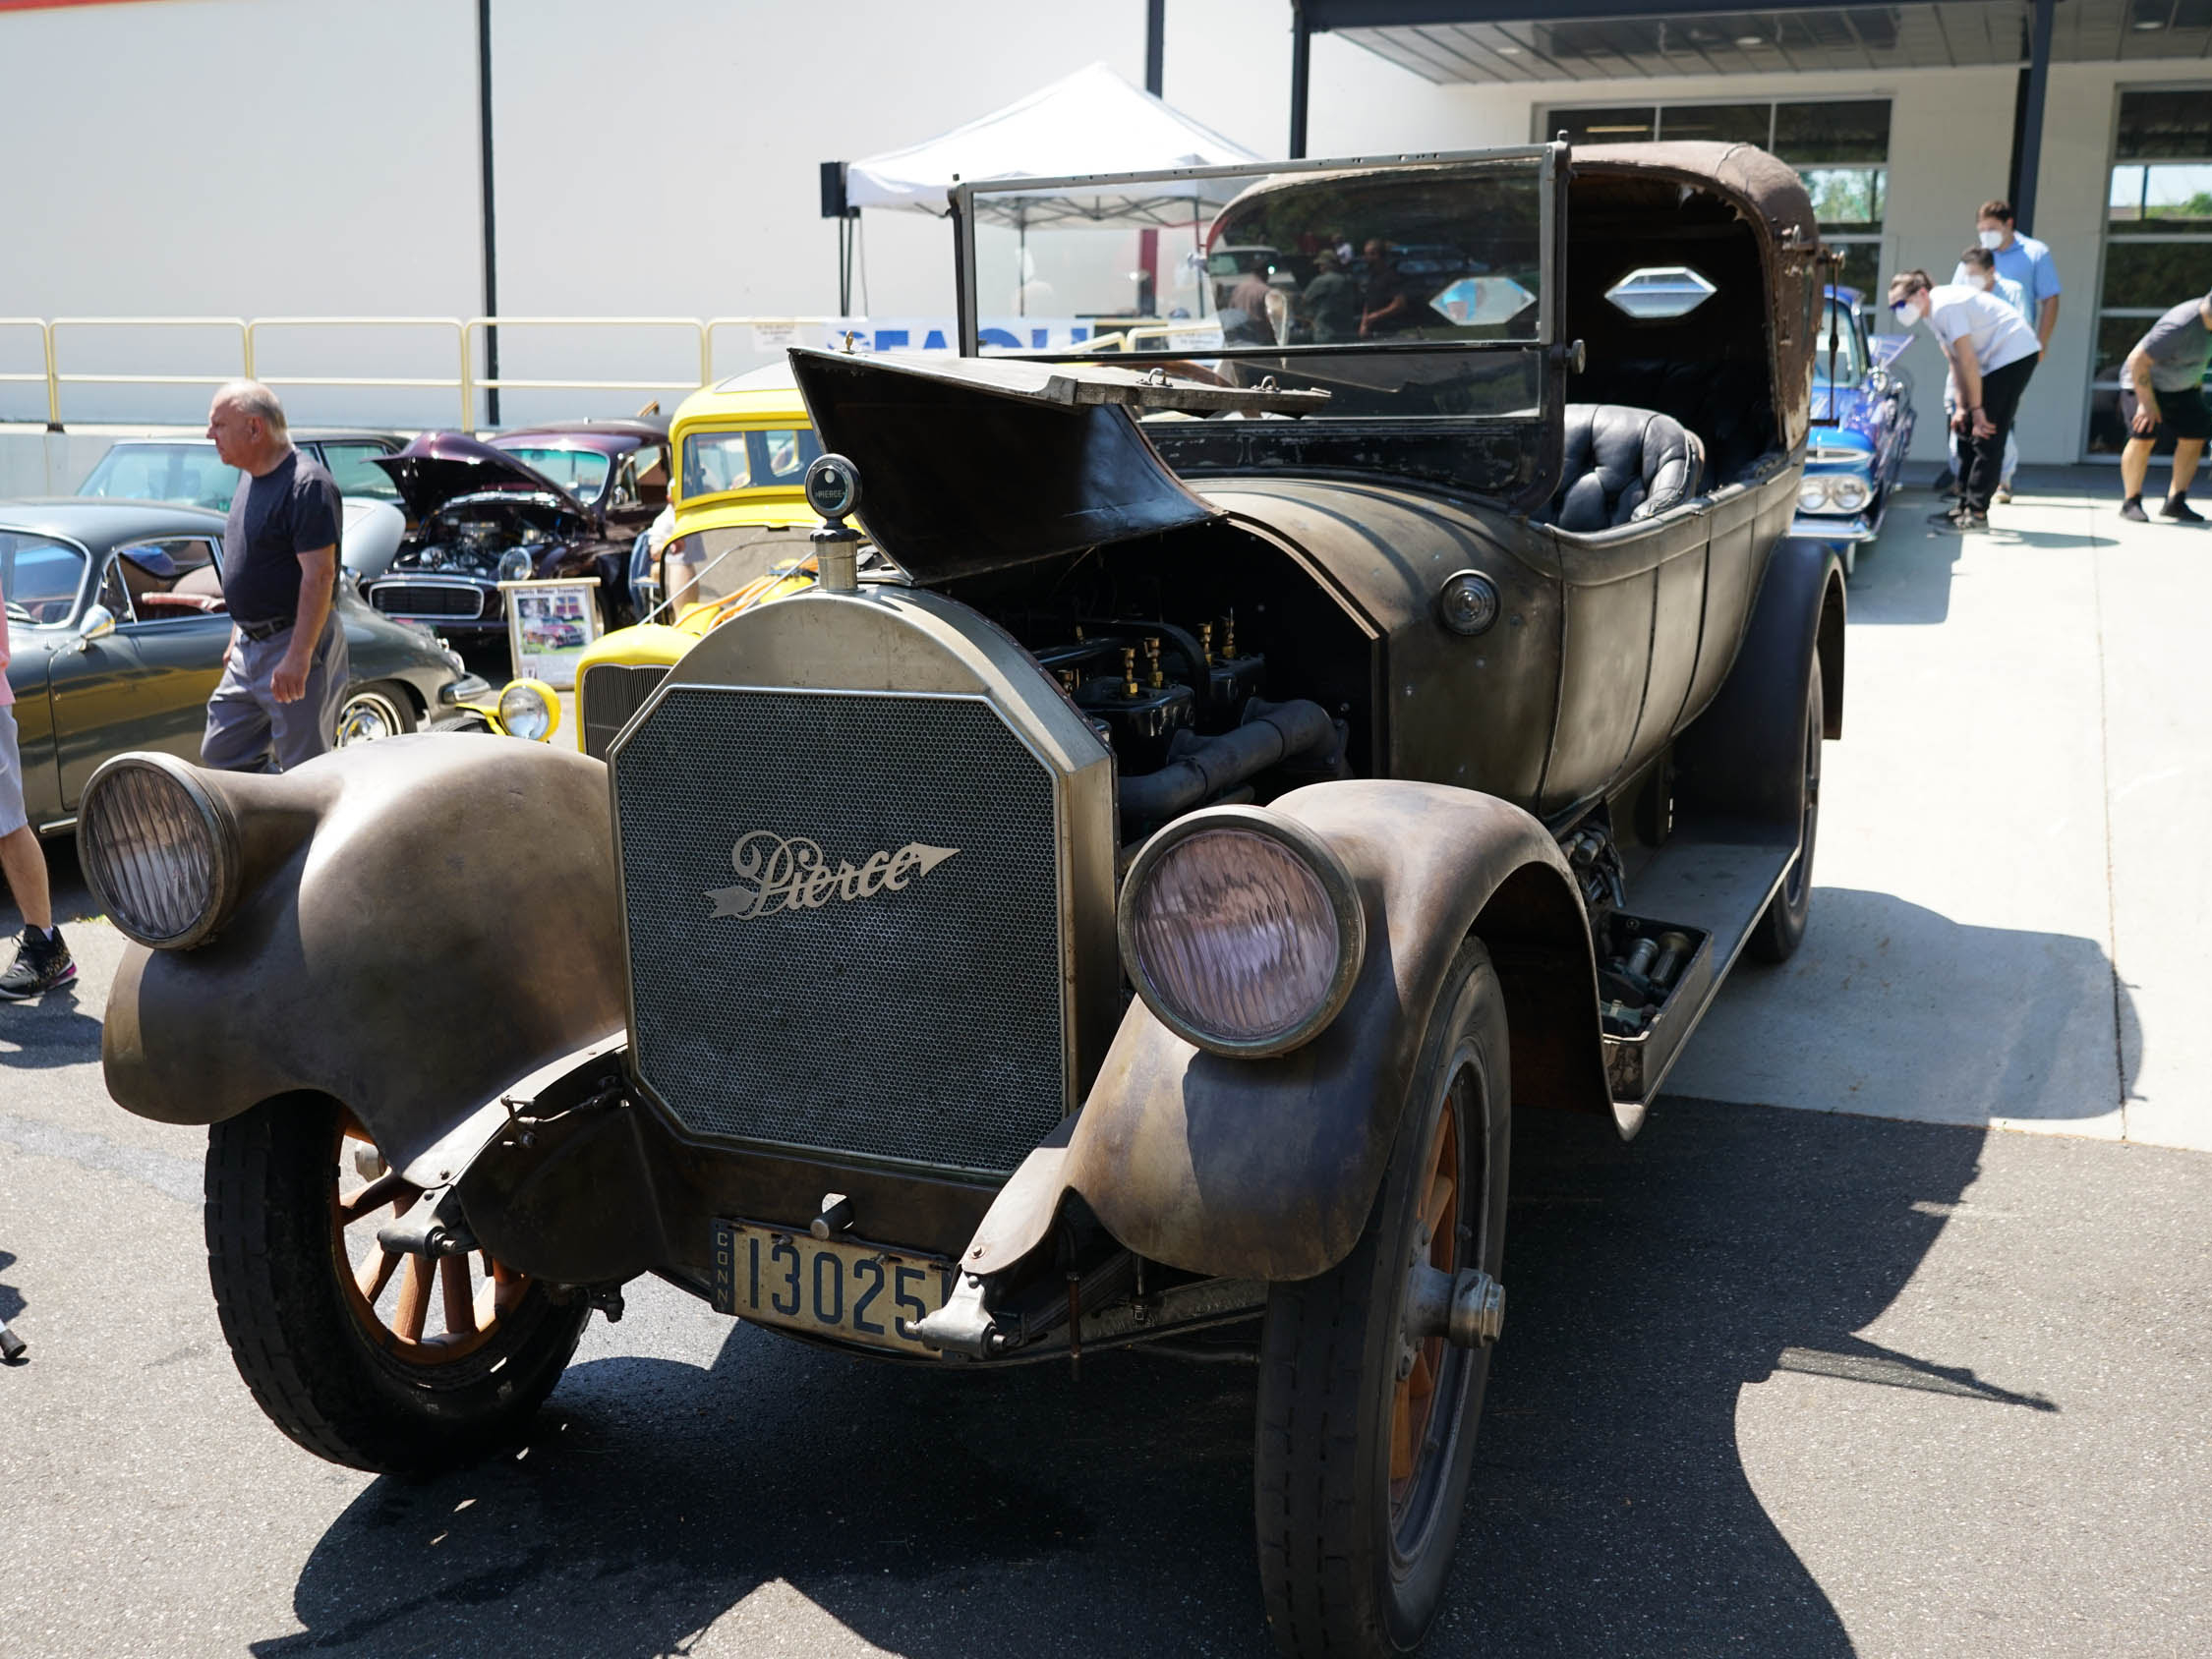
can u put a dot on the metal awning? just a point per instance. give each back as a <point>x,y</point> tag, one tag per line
<point>1608,40</point>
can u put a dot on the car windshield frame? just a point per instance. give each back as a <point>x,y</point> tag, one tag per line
<point>749,428</point>
<point>533,454</point>
<point>971,201</point>
<point>1851,357</point>
<point>127,447</point>
<point>50,538</point>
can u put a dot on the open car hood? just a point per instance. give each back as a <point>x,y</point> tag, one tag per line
<point>976,464</point>
<point>440,467</point>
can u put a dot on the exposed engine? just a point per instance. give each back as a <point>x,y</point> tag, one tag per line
<point>1196,712</point>
<point>472,537</point>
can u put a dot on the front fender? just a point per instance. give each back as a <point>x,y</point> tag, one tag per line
<point>434,920</point>
<point>1267,1168</point>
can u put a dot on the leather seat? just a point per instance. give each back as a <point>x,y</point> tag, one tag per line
<point>1622,465</point>
<point>1727,405</point>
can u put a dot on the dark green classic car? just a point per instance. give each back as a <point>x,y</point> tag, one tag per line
<point>117,629</point>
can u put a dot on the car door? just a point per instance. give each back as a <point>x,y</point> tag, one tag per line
<point>146,685</point>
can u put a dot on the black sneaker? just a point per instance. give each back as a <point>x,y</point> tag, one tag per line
<point>2131,510</point>
<point>2178,509</point>
<point>41,963</point>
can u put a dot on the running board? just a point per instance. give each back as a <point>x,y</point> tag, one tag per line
<point>1711,882</point>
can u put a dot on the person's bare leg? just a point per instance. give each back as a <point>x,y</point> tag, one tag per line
<point>2186,453</point>
<point>2134,465</point>
<point>24,862</point>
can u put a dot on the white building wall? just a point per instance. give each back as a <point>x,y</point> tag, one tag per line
<point>661,158</point>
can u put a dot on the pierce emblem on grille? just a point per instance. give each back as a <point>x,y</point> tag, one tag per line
<point>776,873</point>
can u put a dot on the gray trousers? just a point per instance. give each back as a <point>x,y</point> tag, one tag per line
<point>248,730</point>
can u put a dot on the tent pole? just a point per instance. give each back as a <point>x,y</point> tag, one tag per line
<point>1301,71</point>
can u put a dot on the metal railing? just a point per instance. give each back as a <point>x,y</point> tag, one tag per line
<point>465,382</point>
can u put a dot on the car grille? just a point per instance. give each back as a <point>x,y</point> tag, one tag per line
<point>396,599</point>
<point>923,1026</point>
<point>608,694</point>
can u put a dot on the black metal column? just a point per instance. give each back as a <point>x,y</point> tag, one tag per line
<point>2028,135</point>
<point>491,233</point>
<point>1300,71</point>
<point>1155,46</point>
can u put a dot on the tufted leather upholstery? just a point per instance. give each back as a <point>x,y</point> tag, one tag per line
<point>1622,465</point>
<point>1727,405</point>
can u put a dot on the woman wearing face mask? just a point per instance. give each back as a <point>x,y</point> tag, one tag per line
<point>1977,268</point>
<point>1991,352</point>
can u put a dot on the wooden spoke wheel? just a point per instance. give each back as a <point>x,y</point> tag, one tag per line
<point>1367,1428</point>
<point>384,1360</point>
<point>394,1295</point>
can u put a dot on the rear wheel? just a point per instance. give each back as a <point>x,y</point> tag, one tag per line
<point>1366,1418</point>
<point>389,1362</point>
<point>373,709</point>
<point>1776,935</point>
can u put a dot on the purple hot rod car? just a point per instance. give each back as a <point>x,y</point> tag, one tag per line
<point>563,499</point>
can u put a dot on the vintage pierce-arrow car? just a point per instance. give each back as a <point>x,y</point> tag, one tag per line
<point>1129,898</point>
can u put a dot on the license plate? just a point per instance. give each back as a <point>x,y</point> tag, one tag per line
<point>859,1293</point>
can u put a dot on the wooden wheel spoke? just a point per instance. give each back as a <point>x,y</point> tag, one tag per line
<point>1423,1383</point>
<point>1441,1192</point>
<point>375,1273</point>
<point>386,1189</point>
<point>414,1299</point>
<point>1402,1438</point>
<point>459,1294</point>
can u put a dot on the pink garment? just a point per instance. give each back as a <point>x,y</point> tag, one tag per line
<point>6,691</point>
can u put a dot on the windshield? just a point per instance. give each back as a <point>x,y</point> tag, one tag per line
<point>1356,281</point>
<point>716,463</point>
<point>580,472</point>
<point>190,473</point>
<point>39,577</point>
<point>1838,334</point>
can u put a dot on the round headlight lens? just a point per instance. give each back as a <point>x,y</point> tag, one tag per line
<point>1848,492</point>
<point>515,565</point>
<point>1241,931</point>
<point>529,710</point>
<point>158,849</point>
<point>1812,494</point>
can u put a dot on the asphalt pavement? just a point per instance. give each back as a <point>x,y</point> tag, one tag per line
<point>1793,1381</point>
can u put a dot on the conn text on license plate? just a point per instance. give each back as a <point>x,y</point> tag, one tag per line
<point>859,1293</point>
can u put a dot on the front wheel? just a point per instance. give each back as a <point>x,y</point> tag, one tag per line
<point>392,1363</point>
<point>1780,929</point>
<point>1366,1417</point>
<point>377,709</point>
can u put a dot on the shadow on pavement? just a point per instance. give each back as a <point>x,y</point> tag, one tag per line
<point>12,1304</point>
<point>938,1515</point>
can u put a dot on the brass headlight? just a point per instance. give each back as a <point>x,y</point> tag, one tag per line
<point>160,850</point>
<point>1241,931</point>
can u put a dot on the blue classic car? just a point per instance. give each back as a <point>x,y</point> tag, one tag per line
<point>1851,464</point>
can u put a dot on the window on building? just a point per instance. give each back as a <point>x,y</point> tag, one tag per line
<point>1841,148</point>
<point>2158,237</point>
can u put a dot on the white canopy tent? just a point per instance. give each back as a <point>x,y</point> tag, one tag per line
<point>1091,122</point>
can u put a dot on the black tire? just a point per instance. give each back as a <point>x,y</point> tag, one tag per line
<point>274,1255</point>
<point>374,709</point>
<point>1351,1562</point>
<point>1781,930</point>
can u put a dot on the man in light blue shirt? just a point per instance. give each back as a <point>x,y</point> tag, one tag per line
<point>2026,261</point>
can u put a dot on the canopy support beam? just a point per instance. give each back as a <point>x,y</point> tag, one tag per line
<point>1301,77</point>
<point>2027,139</point>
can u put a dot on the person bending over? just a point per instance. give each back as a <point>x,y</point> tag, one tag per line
<point>2164,397</point>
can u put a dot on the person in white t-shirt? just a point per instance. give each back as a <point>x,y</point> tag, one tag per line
<point>1992,353</point>
<point>1977,268</point>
